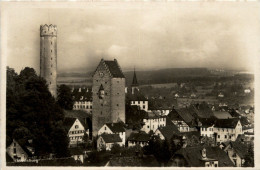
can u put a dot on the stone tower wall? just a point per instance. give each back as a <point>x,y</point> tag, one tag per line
<point>48,56</point>
<point>118,99</point>
<point>112,107</point>
<point>101,108</point>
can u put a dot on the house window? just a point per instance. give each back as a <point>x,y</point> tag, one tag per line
<point>117,104</point>
<point>14,144</point>
<point>51,51</point>
<point>14,150</point>
<point>147,126</point>
<point>143,107</point>
<point>50,82</point>
<point>101,112</point>
<point>51,42</point>
<point>225,136</point>
<point>105,128</point>
<point>51,58</point>
<point>101,104</point>
<point>76,126</point>
<point>218,136</point>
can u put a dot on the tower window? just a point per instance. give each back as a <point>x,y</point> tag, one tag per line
<point>101,113</point>
<point>101,104</point>
<point>51,42</point>
<point>50,82</point>
<point>51,65</point>
<point>117,104</point>
<point>51,73</point>
<point>51,51</point>
<point>51,58</point>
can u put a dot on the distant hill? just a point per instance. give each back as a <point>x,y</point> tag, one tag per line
<point>170,75</point>
<point>167,75</point>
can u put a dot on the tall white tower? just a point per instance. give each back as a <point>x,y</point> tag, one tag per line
<point>48,56</point>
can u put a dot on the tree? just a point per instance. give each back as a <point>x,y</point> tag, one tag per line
<point>32,112</point>
<point>65,97</point>
<point>60,141</point>
<point>116,149</point>
<point>249,158</point>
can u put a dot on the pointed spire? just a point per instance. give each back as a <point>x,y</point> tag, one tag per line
<point>134,83</point>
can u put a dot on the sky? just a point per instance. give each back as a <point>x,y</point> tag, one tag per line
<point>146,36</point>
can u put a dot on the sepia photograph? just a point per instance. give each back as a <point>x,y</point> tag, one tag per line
<point>129,84</point>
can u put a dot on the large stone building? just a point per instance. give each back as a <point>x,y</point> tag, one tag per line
<point>108,91</point>
<point>48,56</point>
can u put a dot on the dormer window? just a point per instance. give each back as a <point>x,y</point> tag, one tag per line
<point>101,92</point>
<point>203,153</point>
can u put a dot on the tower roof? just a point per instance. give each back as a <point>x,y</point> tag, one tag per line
<point>113,68</point>
<point>134,83</point>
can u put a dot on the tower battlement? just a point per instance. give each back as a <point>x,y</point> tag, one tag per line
<point>48,30</point>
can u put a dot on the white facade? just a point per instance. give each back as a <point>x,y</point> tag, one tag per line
<point>77,132</point>
<point>207,131</point>
<point>181,125</point>
<point>228,134</point>
<point>16,152</point>
<point>153,124</point>
<point>143,105</point>
<point>107,130</point>
<point>83,105</point>
<point>101,144</point>
<point>140,143</point>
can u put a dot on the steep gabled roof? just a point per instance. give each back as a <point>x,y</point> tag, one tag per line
<point>139,137</point>
<point>116,127</point>
<point>114,68</point>
<point>68,122</point>
<point>169,131</point>
<point>226,123</point>
<point>111,138</point>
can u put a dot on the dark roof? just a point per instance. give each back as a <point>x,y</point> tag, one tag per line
<point>134,83</point>
<point>202,110</point>
<point>68,122</point>
<point>240,148</point>
<point>114,68</point>
<point>226,123</point>
<point>137,96</point>
<point>9,158</point>
<point>193,157</point>
<point>153,115</point>
<point>169,131</point>
<point>244,121</point>
<point>140,137</point>
<point>77,114</point>
<point>76,151</point>
<point>184,114</point>
<point>111,138</point>
<point>207,122</point>
<point>84,94</point>
<point>116,127</point>
<point>190,134</point>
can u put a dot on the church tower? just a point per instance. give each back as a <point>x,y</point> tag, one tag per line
<point>48,56</point>
<point>108,94</point>
<point>134,85</point>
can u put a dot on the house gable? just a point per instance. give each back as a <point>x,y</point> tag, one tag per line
<point>105,129</point>
<point>76,126</point>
